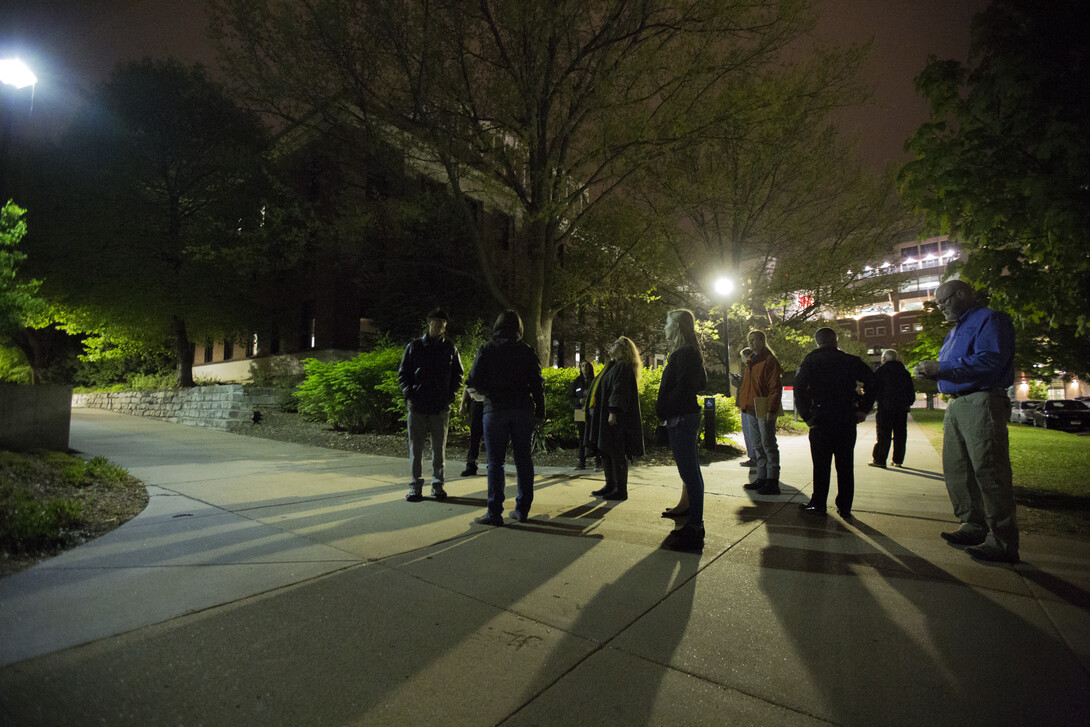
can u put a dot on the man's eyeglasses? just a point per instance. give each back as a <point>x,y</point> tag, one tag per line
<point>942,302</point>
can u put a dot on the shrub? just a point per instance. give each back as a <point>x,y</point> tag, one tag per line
<point>26,523</point>
<point>559,430</point>
<point>357,395</point>
<point>727,417</point>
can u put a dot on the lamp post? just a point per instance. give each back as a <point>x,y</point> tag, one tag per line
<point>14,73</point>
<point>724,287</point>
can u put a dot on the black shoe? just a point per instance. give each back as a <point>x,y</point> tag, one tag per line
<point>685,538</point>
<point>879,465</point>
<point>770,487</point>
<point>489,519</point>
<point>747,463</point>
<point>616,495</point>
<point>992,554</point>
<point>601,491</point>
<point>518,516</point>
<point>582,465</point>
<point>469,471</point>
<point>438,492</point>
<point>755,485</point>
<point>961,537</point>
<point>846,514</point>
<point>808,509</point>
<point>675,513</point>
<point>416,492</point>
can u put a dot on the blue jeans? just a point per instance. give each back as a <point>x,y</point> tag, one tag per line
<point>516,426</point>
<point>767,449</point>
<point>684,447</point>
<point>749,426</point>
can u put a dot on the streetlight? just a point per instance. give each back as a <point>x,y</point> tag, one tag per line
<point>14,73</point>
<point>724,287</point>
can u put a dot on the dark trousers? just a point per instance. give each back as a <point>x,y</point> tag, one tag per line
<point>891,423</point>
<point>581,428</point>
<point>683,444</point>
<point>517,427</point>
<point>829,442</point>
<point>616,471</point>
<point>476,431</point>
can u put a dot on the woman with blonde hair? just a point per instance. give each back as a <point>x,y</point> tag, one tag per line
<point>677,406</point>
<point>617,425</point>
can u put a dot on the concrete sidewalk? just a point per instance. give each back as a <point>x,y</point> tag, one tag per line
<point>270,583</point>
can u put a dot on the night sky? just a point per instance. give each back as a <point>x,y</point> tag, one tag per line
<point>73,45</point>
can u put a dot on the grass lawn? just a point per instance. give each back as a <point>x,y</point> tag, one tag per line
<point>1050,469</point>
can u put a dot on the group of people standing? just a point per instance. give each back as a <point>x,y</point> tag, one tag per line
<point>833,390</point>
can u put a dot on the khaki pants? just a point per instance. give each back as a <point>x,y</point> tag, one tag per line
<point>976,463</point>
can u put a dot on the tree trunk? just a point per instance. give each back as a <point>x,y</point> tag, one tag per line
<point>183,352</point>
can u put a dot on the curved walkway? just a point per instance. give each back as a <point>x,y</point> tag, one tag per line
<point>269,583</point>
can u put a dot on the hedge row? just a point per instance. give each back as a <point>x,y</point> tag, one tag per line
<point>362,395</point>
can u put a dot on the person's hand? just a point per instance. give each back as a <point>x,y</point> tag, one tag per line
<point>860,416</point>
<point>927,368</point>
<point>612,419</point>
<point>810,421</point>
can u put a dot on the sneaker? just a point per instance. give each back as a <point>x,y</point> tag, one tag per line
<point>416,492</point>
<point>747,463</point>
<point>755,485</point>
<point>469,471</point>
<point>770,487</point>
<point>685,539</point>
<point>879,465</point>
<point>438,492</point>
<point>518,516</point>
<point>992,554</point>
<point>962,537</point>
<point>489,519</point>
<point>899,465</point>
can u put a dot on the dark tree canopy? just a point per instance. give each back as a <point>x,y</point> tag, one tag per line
<point>1004,163</point>
<point>159,218</point>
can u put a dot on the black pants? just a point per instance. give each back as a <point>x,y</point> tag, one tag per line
<point>616,472</point>
<point>581,428</point>
<point>891,424</point>
<point>476,431</point>
<point>829,442</point>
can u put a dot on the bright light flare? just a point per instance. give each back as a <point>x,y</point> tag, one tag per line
<point>724,286</point>
<point>14,72</point>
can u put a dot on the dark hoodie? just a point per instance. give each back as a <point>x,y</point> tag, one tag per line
<point>508,374</point>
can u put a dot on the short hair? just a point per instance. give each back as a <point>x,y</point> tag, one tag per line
<point>825,336</point>
<point>508,321</point>
<point>746,352</point>
<point>889,355</point>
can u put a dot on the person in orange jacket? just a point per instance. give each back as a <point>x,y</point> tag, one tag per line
<point>759,398</point>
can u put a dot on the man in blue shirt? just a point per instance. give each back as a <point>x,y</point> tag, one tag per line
<point>975,368</point>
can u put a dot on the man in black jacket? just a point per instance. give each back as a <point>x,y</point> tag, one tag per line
<point>430,375</point>
<point>826,398</point>
<point>895,393</point>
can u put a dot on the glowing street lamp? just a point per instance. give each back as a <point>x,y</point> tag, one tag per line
<point>13,72</point>
<point>723,286</point>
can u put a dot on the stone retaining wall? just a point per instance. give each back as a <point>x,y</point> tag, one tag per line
<point>225,406</point>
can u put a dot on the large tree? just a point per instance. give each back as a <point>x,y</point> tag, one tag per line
<point>542,109</point>
<point>1003,165</point>
<point>158,219</point>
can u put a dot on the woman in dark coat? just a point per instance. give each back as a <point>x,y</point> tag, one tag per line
<point>618,427</point>
<point>677,406</point>
<point>577,392</point>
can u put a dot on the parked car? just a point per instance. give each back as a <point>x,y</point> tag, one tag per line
<point>1022,411</point>
<point>1067,415</point>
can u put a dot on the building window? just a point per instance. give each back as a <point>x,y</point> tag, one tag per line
<point>208,351</point>
<point>880,331</point>
<point>867,332</point>
<point>906,328</point>
<point>228,350</point>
